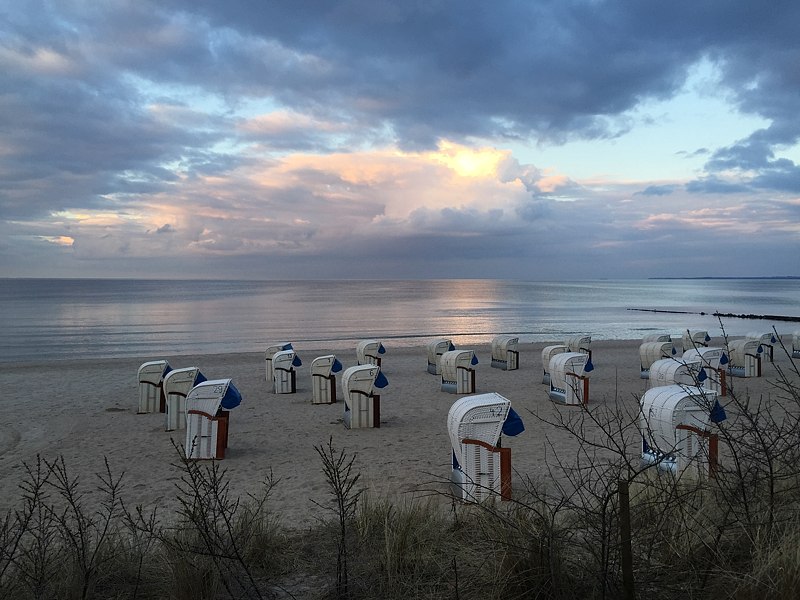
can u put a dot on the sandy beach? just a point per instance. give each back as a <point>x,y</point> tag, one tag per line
<point>85,410</point>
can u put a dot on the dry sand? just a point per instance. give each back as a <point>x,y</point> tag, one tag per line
<point>85,410</point>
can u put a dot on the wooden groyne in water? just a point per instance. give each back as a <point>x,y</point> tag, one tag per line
<point>723,315</point>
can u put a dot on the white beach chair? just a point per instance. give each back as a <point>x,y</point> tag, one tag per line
<point>580,343</point>
<point>713,363</point>
<point>268,354</point>
<point>435,350</point>
<point>674,371</point>
<point>208,418</point>
<point>151,386</point>
<point>745,358</point>
<point>481,469</point>
<point>362,406</point>
<point>323,379</point>
<point>177,385</point>
<point>548,352</point>
<point>767,341</point>
<point>694,339</point>
<point>650,352</point>
<point>675,424</point>
<point>505,352</point>
<point>569,378</point>
<point>796,344</point>
<point>575,343</point>
<point>458,374</point>
<point>368,352</point>
<point>283,373</point>
<point>657,337</point>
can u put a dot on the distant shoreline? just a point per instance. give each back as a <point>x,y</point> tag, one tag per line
<point>712,277</point>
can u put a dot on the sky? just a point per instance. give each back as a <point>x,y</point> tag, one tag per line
<point>361,139</point>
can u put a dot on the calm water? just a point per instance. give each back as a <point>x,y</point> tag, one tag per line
<point>57,318</point>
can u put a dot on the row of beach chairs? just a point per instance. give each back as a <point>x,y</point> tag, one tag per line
<point>682,402</point>
<point>189,400</point>
<point>678,410</point>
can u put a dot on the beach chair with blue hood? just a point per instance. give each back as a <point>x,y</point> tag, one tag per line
<point>481,468</point>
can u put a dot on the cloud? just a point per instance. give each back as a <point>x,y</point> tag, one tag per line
<point>287,133</point>
<point>658,190</point>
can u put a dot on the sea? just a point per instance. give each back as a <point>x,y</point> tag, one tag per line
<point>58,319</point>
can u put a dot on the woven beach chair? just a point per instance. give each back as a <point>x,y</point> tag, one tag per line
<point>676,425</point>
<point>505,352</point>
<point>283,374</point>
<point>151,386</point>
<point>435,350</point>
<point>481,469</point>
<point>674,371</point>
<point>177,385</point>
<point>268,354</point>
<point>458,374</point>
<point>323,379</point>
<point>694,339</point>
<point>569,378</point>
<point>208,408</point>
<point>713,362</point>
<point>745,358</point>
<point>650,352</point>
<point>362,405</point>
<point>767,340</point>
<point>368,352</point>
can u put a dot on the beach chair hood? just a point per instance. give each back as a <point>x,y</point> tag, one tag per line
<point>153,371</point>
<point>209,396</point>
<point>479,417</point>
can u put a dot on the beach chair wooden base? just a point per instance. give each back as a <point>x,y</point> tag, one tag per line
<point>207,436</point>
<point>487,476</point>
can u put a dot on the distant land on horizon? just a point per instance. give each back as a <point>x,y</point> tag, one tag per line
<point>713,277</point>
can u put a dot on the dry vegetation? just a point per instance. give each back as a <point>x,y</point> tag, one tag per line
<point>600,526</point>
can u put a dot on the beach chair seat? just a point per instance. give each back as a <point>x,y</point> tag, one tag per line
<point>151,386</point>
<point>323,379</point>
<point>481,469</point>
<point>569,378</point>
<point>505,352</point>
<point>208,408</point>
<point>283,374</point>
<point>745,358</point>
<point>767,340</point>
<point>368,352</point>
<point>650,352</point>
<point>692,339</point>
<point>362,405</point>
<point>435,350</point>
<point>458,374</point>
<point>177,385</point>
<point>675,422</point>
<point>268,354</point>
